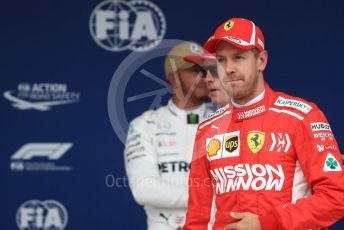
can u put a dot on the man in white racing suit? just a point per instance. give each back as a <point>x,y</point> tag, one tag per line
<point>159,144</point>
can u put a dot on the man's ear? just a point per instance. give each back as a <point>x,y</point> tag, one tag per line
<point>262,60</point>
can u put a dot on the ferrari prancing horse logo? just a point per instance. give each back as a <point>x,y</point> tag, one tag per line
<point>255,140</point>
<point>228,25</point>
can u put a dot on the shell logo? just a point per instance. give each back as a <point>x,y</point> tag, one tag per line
<point>213,147</point>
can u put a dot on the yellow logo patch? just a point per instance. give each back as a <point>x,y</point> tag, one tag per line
<point>213,147</point>
<point>232,143</point>
<point>255,141</point>
<point>228,25</point>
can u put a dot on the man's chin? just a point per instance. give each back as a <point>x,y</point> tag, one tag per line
<point>230,91</point>
<point>202,97</point>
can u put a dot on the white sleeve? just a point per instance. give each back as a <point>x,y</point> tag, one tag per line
<point>142,169</point>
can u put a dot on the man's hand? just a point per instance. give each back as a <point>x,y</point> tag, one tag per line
<point>247,221</point>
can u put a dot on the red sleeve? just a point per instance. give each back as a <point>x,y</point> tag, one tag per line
<point>200,189</point>
<point>320,160</point>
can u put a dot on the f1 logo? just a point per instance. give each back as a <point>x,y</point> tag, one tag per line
<point>53,151</point>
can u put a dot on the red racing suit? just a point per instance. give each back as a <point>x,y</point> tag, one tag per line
<point>276,158</point>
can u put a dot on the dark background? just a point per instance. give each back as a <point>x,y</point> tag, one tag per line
<point>50,41</point>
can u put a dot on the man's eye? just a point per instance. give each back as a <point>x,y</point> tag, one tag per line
<point>220,59</point>
<point>239,57</point>
<point>213,70</point>
<point>200,70</point>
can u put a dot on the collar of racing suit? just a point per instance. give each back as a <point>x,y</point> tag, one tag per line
<point>256,109</point>
<point>253,101</point>
<point>200,110</point>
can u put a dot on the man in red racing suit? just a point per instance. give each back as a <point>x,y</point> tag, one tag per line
<point>272,163</point>
<point>265,162</point>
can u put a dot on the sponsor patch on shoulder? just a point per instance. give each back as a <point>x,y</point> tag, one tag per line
<point>218,111</point>
<point>299,105</point>
<point>320,126</point>
<point>331,164</point>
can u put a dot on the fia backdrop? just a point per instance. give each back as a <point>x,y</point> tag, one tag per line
<point>73,73</point>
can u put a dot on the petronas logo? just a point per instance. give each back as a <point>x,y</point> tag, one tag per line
<point>192,118</point>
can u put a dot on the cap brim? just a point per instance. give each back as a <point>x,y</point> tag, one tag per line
<point>200,59</point>
<point>185,65</point>
<point>210,46</point>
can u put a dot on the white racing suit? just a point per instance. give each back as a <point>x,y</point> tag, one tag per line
<point>157,158</point>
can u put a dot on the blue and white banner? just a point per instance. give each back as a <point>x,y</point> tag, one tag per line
<point>75,73</point>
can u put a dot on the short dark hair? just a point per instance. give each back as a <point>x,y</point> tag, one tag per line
<point>255,52</point>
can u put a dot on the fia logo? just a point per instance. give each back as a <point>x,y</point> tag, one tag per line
<point>47,215</point>
<point>118,25</point>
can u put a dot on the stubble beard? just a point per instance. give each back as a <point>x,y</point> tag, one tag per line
<point>243,92</point>
<point>194,95</point>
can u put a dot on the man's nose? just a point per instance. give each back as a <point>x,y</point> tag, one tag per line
<point>208,77</point>
<point>229,67</point>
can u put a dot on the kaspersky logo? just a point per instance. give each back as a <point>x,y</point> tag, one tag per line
<point>295,104</point>
<point>246,177</point>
